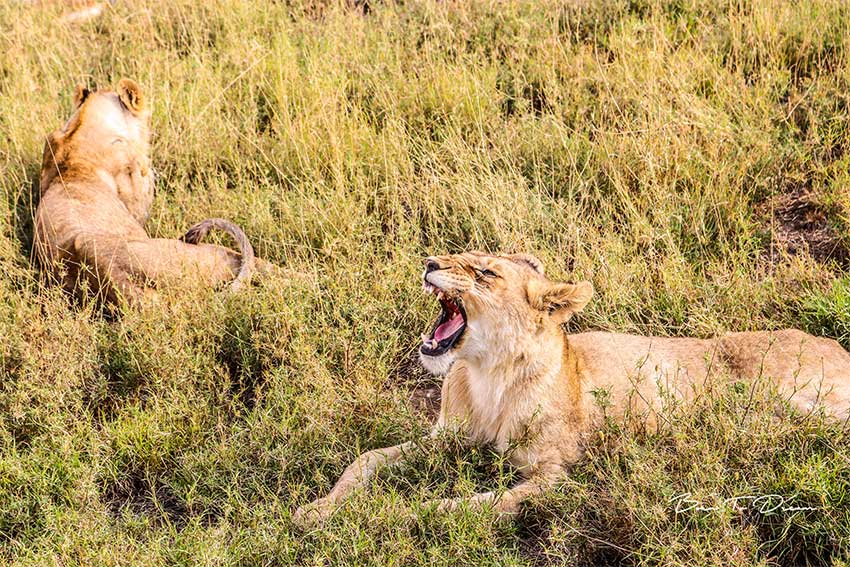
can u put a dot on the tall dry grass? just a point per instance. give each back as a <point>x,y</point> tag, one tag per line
<point>645,145</point>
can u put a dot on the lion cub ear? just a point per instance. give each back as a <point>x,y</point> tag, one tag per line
<point>131,96</point>
<point>560,300</point>
<point>81,93</point>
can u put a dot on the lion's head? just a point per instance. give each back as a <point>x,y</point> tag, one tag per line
<point>107,135</point>
<point>489,303</point>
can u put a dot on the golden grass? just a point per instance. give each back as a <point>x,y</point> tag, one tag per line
<point>637,144</point>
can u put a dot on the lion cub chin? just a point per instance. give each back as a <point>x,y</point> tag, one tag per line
<point>97,187</point>
<point>438,365</point>
<point>512,373</point>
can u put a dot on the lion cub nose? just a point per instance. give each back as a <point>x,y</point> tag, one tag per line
<point>431,265</point>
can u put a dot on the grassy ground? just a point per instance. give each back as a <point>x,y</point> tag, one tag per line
<point>689,157</point>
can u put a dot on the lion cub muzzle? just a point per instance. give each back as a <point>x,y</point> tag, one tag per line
<point>448,330</point>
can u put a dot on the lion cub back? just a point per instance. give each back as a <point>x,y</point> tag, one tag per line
<point>808,370</point>
<point>629,370</point>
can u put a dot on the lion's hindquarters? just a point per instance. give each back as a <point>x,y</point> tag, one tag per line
<point>639,374</point>
<point>809,371</point>
<point>121,268</point>
<point>162,260</point>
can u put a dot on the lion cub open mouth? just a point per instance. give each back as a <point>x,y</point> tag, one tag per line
<point>449,327</point>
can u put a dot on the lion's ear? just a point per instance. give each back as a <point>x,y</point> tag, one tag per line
<point>131,96</point>
<point>81,93</point>
<point>560,300</point>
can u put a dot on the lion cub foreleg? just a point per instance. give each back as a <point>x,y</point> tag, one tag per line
<point>507,503</point>
<point>545,461</point>
<point>355,476</point>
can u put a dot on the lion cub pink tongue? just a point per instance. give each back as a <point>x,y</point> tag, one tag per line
<point>449,328</point>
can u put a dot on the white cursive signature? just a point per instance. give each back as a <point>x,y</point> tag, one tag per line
<point>761,503</point>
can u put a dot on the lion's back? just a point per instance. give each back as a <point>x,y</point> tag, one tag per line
<point>808,370</point>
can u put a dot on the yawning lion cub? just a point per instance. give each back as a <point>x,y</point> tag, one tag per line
<point>96,191</point>
<point>512,372</point>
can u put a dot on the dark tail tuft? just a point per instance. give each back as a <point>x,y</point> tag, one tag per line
<point>197,232</point>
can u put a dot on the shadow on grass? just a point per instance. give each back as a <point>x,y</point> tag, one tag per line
<point>153,499</point>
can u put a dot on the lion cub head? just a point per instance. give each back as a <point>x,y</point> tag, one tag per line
<point>106,138</point>
<point>491,304</point>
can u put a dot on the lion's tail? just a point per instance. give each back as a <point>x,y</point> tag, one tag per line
<point>197,232</point>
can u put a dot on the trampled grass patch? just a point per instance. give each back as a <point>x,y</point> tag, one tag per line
<point>688,157</point>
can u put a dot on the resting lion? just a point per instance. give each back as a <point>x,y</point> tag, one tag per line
<point>96,191</point>
<point>512,372</point>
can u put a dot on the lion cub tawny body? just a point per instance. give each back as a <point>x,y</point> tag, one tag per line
<point>513,374</point>
<point>96,191</point>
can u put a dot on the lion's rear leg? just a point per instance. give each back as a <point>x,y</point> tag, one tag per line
<point>105,267</point>
<point>160,260</point>
<point>810,372</point>
<point>128,269</point>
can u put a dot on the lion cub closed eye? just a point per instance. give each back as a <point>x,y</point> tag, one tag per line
<point>511,369</point>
